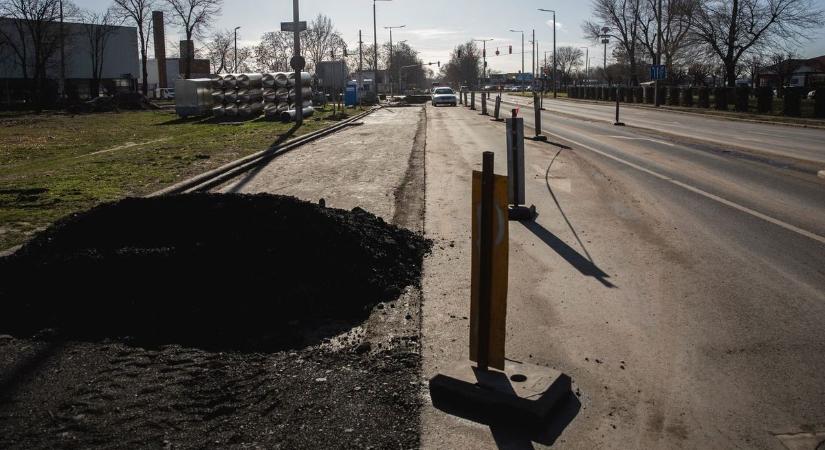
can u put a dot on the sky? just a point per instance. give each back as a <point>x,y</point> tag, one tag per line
<point>435,27</point>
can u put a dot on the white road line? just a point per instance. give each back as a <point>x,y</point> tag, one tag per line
<point>696,190</point>
<point>630,138</point>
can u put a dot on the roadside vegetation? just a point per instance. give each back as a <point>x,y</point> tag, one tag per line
<point>52,165</point>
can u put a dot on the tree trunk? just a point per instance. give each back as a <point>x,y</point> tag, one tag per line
<point>145,85</point>
<point>730,73</point>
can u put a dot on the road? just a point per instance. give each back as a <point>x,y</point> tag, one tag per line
<point>680,286</point>
<point>803,144</point>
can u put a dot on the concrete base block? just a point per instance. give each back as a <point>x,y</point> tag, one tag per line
<point>523,394</point>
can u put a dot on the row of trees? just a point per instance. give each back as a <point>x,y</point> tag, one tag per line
<point>735,35</point>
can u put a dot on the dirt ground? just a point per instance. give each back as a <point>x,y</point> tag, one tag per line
<point>348,385</point>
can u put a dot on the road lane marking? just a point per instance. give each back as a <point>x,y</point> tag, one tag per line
<point>696,190</point>
<point>631,138</point>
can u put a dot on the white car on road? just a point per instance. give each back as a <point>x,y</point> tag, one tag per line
<point>444,96</point>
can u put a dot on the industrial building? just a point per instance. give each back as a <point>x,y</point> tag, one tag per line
<point>120,63</point>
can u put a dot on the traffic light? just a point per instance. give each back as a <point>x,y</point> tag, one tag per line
<point>332,53</point>
<point>459,53</point>
<point>345,53</point>
<point>497,52</point>
<point>484,53</point>
<point>439,63</point>
<point>511,49</point>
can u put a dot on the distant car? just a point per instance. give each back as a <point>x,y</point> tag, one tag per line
<point>444,96</point>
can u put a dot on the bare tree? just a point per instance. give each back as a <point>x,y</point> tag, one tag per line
<point>567,58</point>
<point>98,28</point>
<point>38,29</point>
<point>194,16</point>
<point>784,65</point>
<point>273,52</point>
<point>219,49</point>
<point>322,40</point>
<point>677,18</point>
<point>731,28</point>
<point>138,13</point>
<point>622,18</point>
<point>464,66</point>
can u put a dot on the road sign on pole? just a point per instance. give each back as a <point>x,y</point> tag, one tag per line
<point>292,26</point>
<point>490,253</point>
<point>658,72</point>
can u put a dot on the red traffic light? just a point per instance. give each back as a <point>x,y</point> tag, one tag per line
<point>511,49</point>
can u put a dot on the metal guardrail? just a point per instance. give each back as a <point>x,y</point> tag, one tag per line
<point>220,175</point>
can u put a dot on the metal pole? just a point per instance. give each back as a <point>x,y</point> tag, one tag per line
<point>533,58</point>
<point>374,51</point>
<point>658,52</point>
<point>389,72</point>
<point>617,122</point>
<point>486,264</point>
<point>299,85</point>
<point>555,89</point>
<point>62,55</point>
<point>236,51</point>
<point>522,58</point>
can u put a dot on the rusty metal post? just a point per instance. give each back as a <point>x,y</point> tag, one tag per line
<point>486,264</point>
<point>617,122</point>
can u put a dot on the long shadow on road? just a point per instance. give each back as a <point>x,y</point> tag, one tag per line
<point>582,264</point>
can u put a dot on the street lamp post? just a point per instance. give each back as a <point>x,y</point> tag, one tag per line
<point>375,47</point>
<point>555,89</point>
<point>236,49</point>
<point>389,79</point>
<point>522,49</point>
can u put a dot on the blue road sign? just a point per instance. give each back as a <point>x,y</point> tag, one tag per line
<point>658,72</point>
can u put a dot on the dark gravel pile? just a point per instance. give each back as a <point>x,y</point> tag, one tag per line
<point>214,271</point>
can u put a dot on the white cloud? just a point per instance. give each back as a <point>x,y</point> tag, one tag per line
<point>559,25</point>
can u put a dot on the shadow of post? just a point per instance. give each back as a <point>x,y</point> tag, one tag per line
<point>582,264</point>
<point>249,176</point>
<point>508,431</point>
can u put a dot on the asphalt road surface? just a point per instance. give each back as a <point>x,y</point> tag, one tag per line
<point>680,285</point>
<point>804,144</point>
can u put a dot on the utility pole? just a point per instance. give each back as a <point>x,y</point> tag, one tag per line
<point>389,79</point>
<point>534,57</point>
<point>236,49</point>
<point>522,49</point>
<point>483,56</point>
<point>375,47</point>
<point>658,52</point>
<point>297,62</point>
<point>62,54</point>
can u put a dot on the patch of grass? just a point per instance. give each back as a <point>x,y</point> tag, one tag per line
<point>56,164</point>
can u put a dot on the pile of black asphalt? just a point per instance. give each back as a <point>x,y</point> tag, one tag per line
<point>202,320</point>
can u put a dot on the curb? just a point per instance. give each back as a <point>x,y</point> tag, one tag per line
<point>230,170</point>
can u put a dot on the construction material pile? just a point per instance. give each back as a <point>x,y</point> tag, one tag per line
<point>208,270</point>
<point>248,95</point>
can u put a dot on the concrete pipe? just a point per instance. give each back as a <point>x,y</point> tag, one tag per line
<point>306,79</point>
<point>250,95</point>
<point>219,111</point>
<point>217,83</point>
<point>231,110</point>
<point>250,80</point>
<point>230,96</point>
<point>218,96</point>
<point>253,109</point>
<point>305,92</point>
<point>307,104</point>
<point>275,80</point>
<point>289,116</point>
<point>276,95</point>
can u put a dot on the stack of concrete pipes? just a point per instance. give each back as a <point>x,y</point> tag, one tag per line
<point>249,95</point>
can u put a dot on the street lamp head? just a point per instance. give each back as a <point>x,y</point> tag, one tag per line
<point>547,10</point>
<point>517,31</point>
<point>237,28</point>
